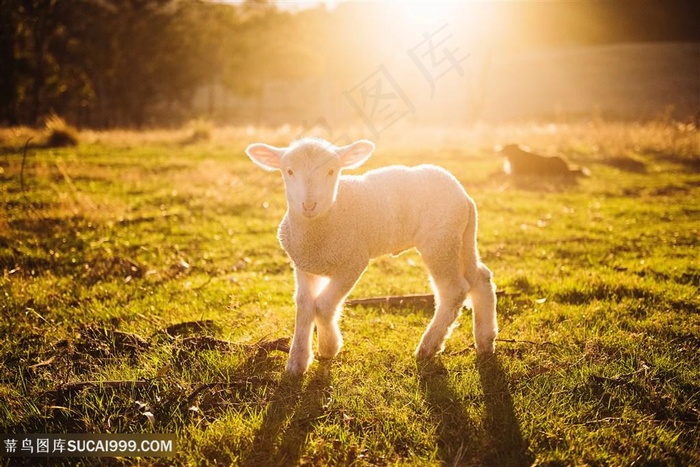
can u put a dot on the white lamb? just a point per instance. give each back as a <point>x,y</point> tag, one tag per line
<point>335,223</point>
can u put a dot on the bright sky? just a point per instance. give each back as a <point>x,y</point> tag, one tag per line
<point>418,6</point>
<point>419,13</point>
<point>294,4</point>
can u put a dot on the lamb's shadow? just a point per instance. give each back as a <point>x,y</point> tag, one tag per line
<point>463,440</point>
<point>293,411</point>
<point>501,423</point>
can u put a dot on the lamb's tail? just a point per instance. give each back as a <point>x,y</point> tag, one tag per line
<point>470,252</point>
<point>476,272</point>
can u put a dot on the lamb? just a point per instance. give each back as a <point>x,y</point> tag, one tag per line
<point>336,223</point>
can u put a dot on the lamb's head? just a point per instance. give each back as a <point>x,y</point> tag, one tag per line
<point>310,168</point>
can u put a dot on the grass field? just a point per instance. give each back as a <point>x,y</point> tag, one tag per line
<point>148,262</point>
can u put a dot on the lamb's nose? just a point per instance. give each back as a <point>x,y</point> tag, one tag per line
<point>308,206</point>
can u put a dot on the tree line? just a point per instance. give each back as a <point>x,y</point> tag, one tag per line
<point>108,63</point>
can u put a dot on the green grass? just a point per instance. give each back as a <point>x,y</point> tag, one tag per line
<point>125,236</point>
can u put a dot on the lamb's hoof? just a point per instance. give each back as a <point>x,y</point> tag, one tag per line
<point>327,355</point>
<point>425,353</point>
<point>486,349</point>
<point>329,351</point>
<point>298,366</point>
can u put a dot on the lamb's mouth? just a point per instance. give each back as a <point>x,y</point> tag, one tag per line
<point>309,209</point>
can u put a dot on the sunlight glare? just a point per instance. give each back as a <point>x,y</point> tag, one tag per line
<point>425,14</point>
<point>472,18</point>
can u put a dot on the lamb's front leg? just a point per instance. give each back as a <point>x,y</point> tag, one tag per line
<point>328,307</point>
<point>300,353</point>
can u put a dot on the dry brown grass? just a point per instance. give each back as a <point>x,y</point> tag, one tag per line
<point>594,139</point>
<point>58,133</point>
<point>15,137</point>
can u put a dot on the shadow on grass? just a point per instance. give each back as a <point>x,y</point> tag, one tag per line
<point>461,439</point>
<point>501,424</point>
<point>292,413</point>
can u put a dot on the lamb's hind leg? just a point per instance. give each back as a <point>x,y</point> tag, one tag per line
<point>483,291</point>
<point>450,289</point>
<point>483,298</point>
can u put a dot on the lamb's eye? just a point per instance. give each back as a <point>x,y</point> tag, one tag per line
<point>331,172</point>
<point>290,172</point>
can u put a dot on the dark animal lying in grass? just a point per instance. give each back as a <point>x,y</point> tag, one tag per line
<point>519,162</point>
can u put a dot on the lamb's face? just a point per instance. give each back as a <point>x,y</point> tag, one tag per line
<point>311,180</point>
<point>310,168</point>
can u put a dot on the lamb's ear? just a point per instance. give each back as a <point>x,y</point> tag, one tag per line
<point>266,156</point>
<point>355,154</point>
